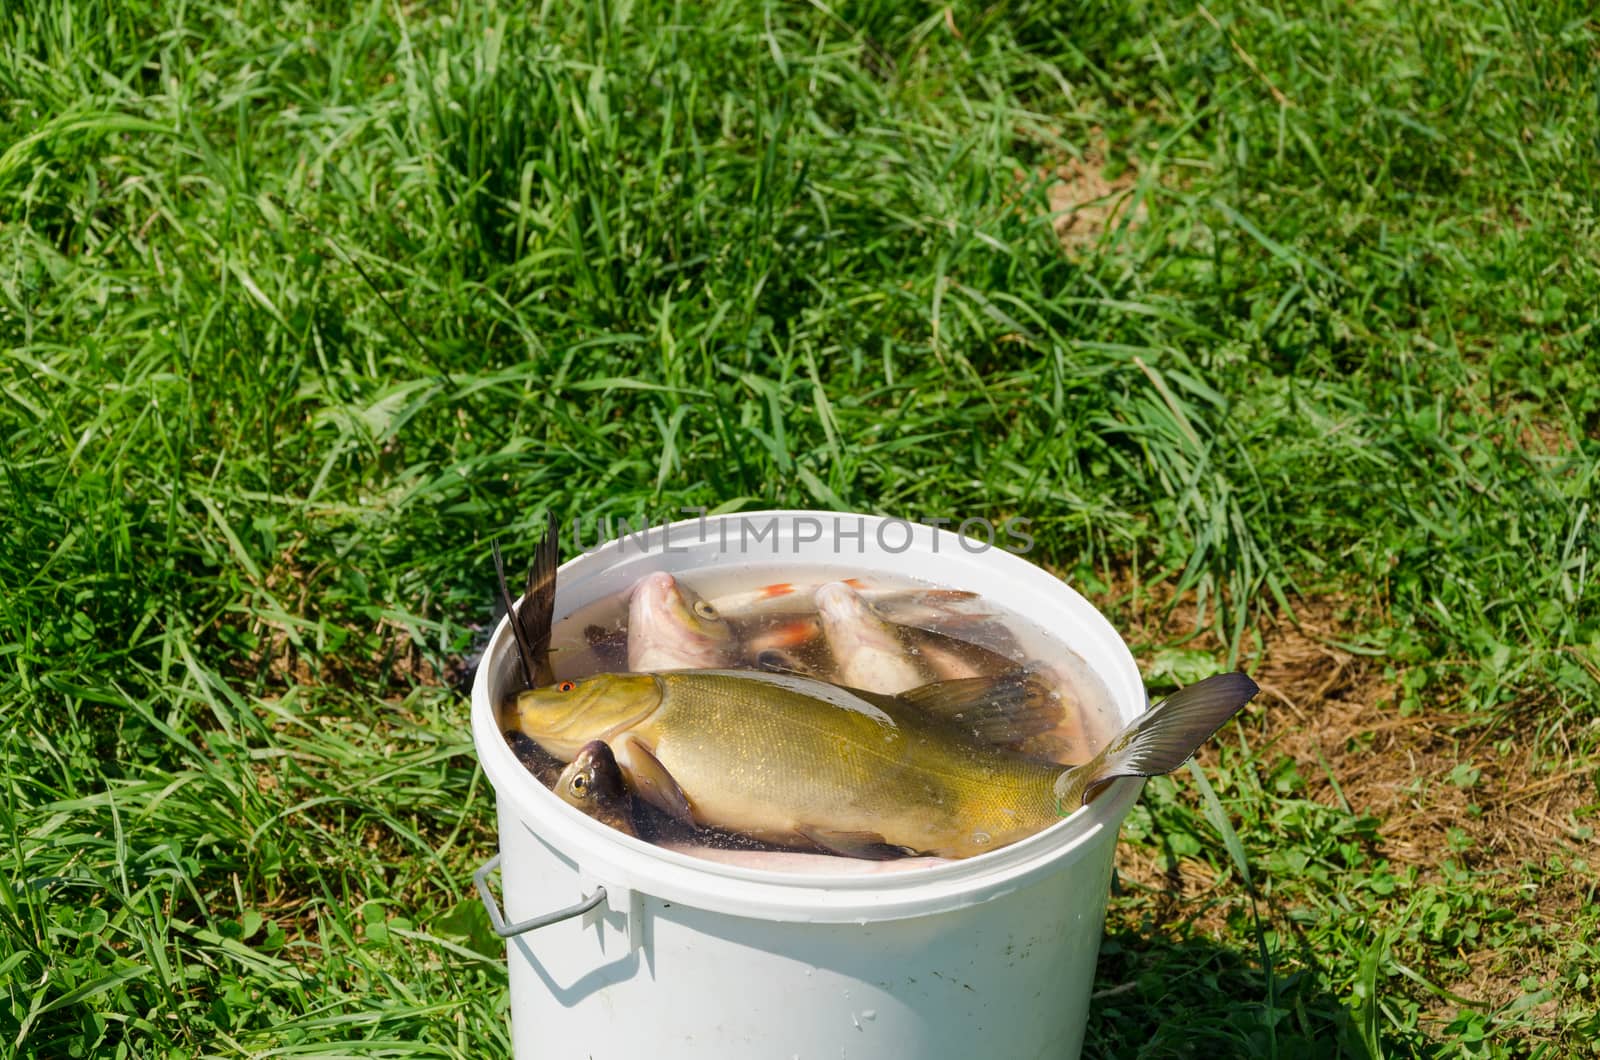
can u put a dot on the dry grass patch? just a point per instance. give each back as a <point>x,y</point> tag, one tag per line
<point>1442,784</point>
<point>1086,202</point>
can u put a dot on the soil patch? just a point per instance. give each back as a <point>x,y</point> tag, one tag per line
<point>1442,784</point>
<point>1085,202</point>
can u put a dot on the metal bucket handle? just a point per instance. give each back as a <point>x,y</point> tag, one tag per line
<point>505,930</point>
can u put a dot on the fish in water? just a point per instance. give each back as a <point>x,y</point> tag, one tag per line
<point>593,783</point>
<point>794,639</point>
<point>913,606</point>
<point>866,646</point>
<point>671,628</point>
<point>880,655</point>
<point>799,763</point>
<point>783,661</point>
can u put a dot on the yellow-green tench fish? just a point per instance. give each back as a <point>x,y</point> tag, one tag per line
<point>797,762</point>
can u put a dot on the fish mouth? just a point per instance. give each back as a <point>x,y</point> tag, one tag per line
<point>847,621</point>
<point>656,591</point>
<point>657,599</point>
<point>660,616</point>
<point>837,602</point>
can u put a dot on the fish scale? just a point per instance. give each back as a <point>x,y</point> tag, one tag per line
<point>786,760</point>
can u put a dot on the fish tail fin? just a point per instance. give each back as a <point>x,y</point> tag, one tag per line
<point>539,600</point>
<point>524,650</point>
<point>530,625</point>
<point>1159,740</point>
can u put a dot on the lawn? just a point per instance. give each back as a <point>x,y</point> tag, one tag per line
<point>1277,321</point>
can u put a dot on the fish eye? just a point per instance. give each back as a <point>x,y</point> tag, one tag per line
<point>566,686</point>
<point>704,610</point>
<point>579,783</point>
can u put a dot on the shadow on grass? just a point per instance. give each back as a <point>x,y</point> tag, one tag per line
<point>1164,997</point>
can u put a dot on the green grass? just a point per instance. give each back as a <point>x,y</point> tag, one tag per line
<point>301,306</point>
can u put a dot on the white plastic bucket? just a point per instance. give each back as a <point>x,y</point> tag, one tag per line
<point>684,957</point>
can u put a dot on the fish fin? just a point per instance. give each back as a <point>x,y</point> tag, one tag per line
<point>778,661</point>
<point>1161,739</point>
<point>524,649</point>
<point>869,846</point>
<point>997,710</point>
<point>539,600</point>
<point>982,632</point>
<point>947,596</point>
<point>650,779</point>
<point>953,657</point>
<point>531,623</point>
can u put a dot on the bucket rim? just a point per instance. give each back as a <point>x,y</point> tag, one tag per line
<point>622,863</point>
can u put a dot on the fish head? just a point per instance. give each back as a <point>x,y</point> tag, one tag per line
<point>592,779</point>
<point>849,621</point>
<point>565,716</point>
<point>670,627</point>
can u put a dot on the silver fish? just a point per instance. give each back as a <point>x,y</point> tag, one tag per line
<point>671,628</point>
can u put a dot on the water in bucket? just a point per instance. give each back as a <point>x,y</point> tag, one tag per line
<point>847,626</point>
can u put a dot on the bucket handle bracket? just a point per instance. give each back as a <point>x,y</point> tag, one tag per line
<point>481,880</point>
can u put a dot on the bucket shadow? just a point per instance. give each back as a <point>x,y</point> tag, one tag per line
<point>1157,996</point>
<point>571,994</point>
<point>1154,997</point>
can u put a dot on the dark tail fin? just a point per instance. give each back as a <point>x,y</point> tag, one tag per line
<point>1161,739</point>
<point>530,624</point>
<point>539,600</point>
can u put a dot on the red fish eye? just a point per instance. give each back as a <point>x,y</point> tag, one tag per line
<point>566,686</point>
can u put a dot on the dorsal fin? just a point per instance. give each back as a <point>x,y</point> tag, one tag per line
<point>524,650</point>
<point>539,600</point>
<point>997,710</point>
